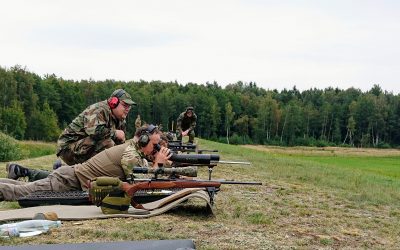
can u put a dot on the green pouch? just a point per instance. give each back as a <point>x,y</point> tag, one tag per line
<point>106,181</point>
<point>116,202</point>
<point>101,187</point>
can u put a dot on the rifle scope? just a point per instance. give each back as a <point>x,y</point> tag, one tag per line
<point>191,158</point>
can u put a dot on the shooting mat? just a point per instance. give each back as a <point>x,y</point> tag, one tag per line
<point>122,245</point>
<point>68,212</point>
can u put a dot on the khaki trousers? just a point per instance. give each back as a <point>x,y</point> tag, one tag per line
<point>62,179</point>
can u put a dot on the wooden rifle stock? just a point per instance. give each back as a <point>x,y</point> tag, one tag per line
<point>131,189</point>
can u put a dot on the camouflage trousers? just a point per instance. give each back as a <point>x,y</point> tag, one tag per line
<point>37,174</point>
<point>60,180</point>
<point>83,150</point>
<point>191,136</point>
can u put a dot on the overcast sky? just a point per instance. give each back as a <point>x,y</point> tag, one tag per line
<point>277,44</point>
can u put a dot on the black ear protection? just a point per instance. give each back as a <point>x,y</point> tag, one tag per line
<point>113,102</point>
<point>144,138</point>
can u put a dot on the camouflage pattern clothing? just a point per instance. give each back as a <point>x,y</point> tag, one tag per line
<point>133,157</point>
<point>138,122</point>
<point>89,133</point>
<point>183,123</point>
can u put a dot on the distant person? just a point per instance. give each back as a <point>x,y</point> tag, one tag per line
<point>100,126</point>
<point>186,124</point>
<point>138,122</point>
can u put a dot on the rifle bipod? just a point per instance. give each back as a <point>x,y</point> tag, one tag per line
<point>211,191</point>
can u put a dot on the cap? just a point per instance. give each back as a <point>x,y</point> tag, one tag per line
<point>122,95</point>
<point>189,108</point>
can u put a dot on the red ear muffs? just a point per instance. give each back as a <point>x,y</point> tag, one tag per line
<point>113,102</point>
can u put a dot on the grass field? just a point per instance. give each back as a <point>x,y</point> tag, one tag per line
<point>311,198</point>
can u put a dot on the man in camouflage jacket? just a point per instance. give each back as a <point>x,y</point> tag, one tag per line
<point>185,124</point>
<point>100,126</point>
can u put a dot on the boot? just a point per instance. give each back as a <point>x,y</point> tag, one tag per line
<point>15,171</point>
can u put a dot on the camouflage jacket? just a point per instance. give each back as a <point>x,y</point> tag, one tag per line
<point>133,157</point>
<point>95,121</point>
<point>184,122</point>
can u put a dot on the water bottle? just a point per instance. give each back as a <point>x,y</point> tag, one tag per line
<point>14,229</point>
<point>9,232</point>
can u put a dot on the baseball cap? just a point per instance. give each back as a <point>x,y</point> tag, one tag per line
<point>122,95</point>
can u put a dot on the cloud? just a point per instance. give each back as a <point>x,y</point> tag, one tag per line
<point>277,44</point>
<point>104,37</point>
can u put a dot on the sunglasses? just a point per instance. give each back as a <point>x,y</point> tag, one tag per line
<point>126,106</point>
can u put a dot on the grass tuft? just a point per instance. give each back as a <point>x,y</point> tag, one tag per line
<point>259,219</point>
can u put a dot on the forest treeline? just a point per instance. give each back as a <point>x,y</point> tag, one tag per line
<point>38,108</point>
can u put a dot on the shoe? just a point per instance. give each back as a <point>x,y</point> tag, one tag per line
<point>15,171</point>
<point>57,164</point>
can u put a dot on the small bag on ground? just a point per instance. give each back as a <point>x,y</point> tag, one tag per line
<point>106,192</point>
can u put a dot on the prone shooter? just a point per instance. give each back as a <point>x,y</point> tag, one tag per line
<point>105,189</point>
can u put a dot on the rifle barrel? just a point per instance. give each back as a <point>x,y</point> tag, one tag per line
<point>241,182</point>
<point>207,150</point>
<point>194,158</point>
<point>198,180</point>
<point>232,162</point>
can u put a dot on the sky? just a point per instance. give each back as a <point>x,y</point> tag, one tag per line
<point>276,44</point>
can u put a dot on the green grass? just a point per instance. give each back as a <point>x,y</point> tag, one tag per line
<point>12,150</point>
<point>33,149</point>
<point>310,199</point>
<point>382,166</point>
<point>371,180</point>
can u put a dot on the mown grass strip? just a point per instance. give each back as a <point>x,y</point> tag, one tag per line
<point>366,180</point>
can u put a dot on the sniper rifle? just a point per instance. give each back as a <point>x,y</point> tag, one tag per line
<point>178,146</point>
<point>102,186</point>
<point>212,186</point>
<point>209,160</point>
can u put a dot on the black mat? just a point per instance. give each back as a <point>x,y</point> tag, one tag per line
<point>123,245</point>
